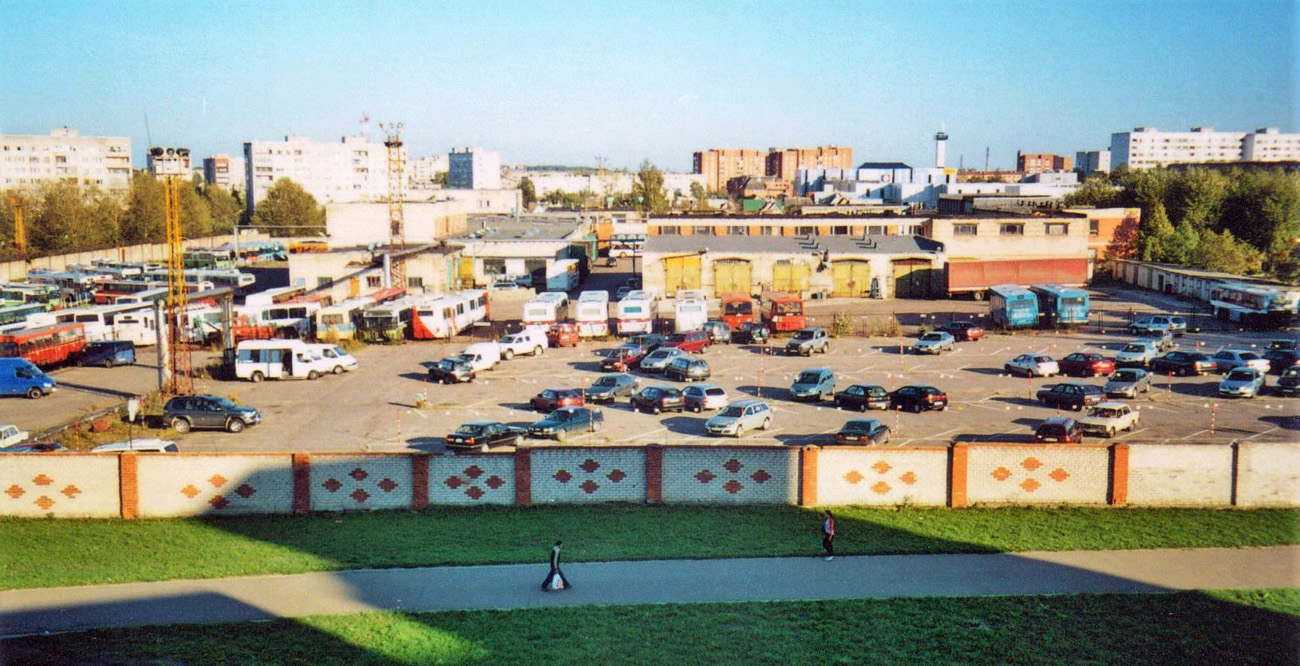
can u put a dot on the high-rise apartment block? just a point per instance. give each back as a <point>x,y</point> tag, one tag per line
<point>65,155</point>
<point>1042,162</point>
<point>225,172</point>
<point>1147,147</point>
<point>781,163</point>
<point>420,173</point>
<point>354,169</point>
<point>1088,162</point>
<point>718,166</point>
<point>473,169</point>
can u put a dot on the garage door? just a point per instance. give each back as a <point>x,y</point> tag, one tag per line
<point>731,276</point>
<point>681,273</point>
<point>851,279</point>
<point>911,278</point>
<point>790,276</point>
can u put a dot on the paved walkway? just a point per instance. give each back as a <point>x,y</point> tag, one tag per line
<point>641,582</point>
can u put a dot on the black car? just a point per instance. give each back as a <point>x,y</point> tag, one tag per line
<point>963,331</point>
<point>656,399</point>
<point>1289,382</point>
<point>483,435</point>
<point>107,353</point>
<point>611,387</point>
<point>1183,363</point>
<point>567,421</point>
<point>187,412</point>
<point>863,397</point>
<point>1071,395</point>
<point>863,431</point>
<point>916,398</point>
<point>451,371</point>
<point>1281,359</point>
<point>1060,430</point>
<point>754,333</point>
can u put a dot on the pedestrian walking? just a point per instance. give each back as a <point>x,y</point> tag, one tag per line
<point>828,536</point>
<point>555,580</point>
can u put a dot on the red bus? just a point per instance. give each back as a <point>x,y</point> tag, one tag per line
<point>784,313</point>
<point>44,346</point>
<point>737,309</point>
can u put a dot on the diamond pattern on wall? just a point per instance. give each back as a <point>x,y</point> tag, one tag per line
<point>468,477</point>
<point>1030,483</point>
<point>217,500</point>
<point>734,467</point>
<point>881,468</point>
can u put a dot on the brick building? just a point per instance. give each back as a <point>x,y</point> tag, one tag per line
<point>1041,162</point>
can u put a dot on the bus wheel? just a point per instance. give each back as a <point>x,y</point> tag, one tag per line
<point>256,377</point>
<point>34,393</point>
<point>313,375</point>
<point>108,363</point>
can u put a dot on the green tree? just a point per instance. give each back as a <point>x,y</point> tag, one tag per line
<point>1181,246</point>
<point>1096,192</point>
<point>1221,251</point>
<point>1196,197</point>
<point>55,219</point>
<point>224,207</point>
<point>1155,235</point>
<point>196,218</point>
<point>289,210</point>
<point>145,219</point>
<point>1263,209</point>
<point>440,178</point>
<point>648,190</point>
<point>528,192</point>
<point>698,193</point>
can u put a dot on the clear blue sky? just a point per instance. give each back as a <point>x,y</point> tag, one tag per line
<point>564,82</point>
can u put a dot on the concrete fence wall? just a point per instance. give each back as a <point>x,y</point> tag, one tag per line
<point>82,485</point>
<point>17,270</point>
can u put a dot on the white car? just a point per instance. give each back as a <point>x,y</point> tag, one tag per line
<point>1242,382</point>
<point>934,342</point>
<point>1031,365</point>
<point>528,341</point>
<point>1138,354</point>
<point>1108,418</point>
<point>10,434</point>
<point>1228,360</point>
<point>139,445</point>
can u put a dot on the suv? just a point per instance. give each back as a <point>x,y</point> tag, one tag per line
<point>808,340</point>
<point>917,399</point>
<point>813,384</point>
<point>451,371</point>
<point>1108,418</point>
<point>962,331</point>
<point>611,387</point>
<point>738,417</point>
<point>934,342</point>
<point>107,353</point>
<point>656,399</point>
<point>863,397</point>
<point>1059,429</point>
<point>563,422</point>
<point>1175,325</point>
<point>751,332</point>
<point>687,369</point>
<point>186,412</point>
<point>1071,395</point>
<point>693,342</point>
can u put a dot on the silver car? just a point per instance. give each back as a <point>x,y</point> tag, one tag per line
<point>700,397</point>
<point>1242,382</point>
<point>1127,383</point>
<point>659,359</point>
<point>736,418</point>
<point>934,342</point>
<point>1228,360</point>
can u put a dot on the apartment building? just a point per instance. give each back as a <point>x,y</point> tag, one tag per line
<point>1266,144</point>
<point>720,166</point>
<point>420,173</point>
<point>225,172</point>
<point>65,155</point>
<point>1031,163</point>
<point>473,169</point>
<point>351,170</point>
<point>1088,162</point>
<point>782,163</point>
<point>1147,147</point>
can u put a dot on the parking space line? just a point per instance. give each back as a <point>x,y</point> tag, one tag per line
<point>1130,433</point>
<point>1198,432</point>
<point>1262,433</point>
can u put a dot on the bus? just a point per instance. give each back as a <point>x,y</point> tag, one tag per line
<point>75,287</point>
<point>388,322</point>
<point>219,258</point>
<point>14,314</point>
<point>636,313</point>
<point>562,275</point>
<point>16,293</point>
<point>120,269</point>
<point>142,297</point>
<point>783,313</point>
<point>44,345</point>
<point>1013,306</point>
<point>1061,306</point>
<point>287,318</point>
<point>442,317</point>
<point>1255,306</point>
<point>101,322</point>
<point>108,291</point>
<point>689,314</point>
<point>548,309</point>
<point>737,309</point>
<point>228,279</point>
<point>626,245</point>
<point>339,321</point>
<point>592,314</point>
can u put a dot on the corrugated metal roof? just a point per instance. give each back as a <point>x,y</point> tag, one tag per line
<point>883,165</point>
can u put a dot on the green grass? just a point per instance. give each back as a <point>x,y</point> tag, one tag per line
<point>46,553</point>
<point>1250,627</point>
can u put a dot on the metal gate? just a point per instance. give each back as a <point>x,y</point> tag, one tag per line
<point>731,276</point>
<point>681,273</point>
<point>852,278</point>
<point>911,278</point>
<point>790,276</point>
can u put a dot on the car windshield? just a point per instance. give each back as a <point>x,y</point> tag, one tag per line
<point>932,336</point>
<point>1241,376</point>
<point>1106,413</point>
<point>809,378</point>
<point>860,426</point>
<point>732,411</point>
<point>803,335</point>
<point>1249,356</point>
<point>714,391</point>
<point>1124,376</point>
<point>738,308</point>
<point>1135,348</point>
<point>660,353</point>
<point>606,381</point>
<point>471,429</point>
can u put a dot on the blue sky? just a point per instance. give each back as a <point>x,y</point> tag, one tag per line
<point>564,82</point>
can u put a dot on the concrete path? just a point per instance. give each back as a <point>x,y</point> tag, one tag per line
<point>640,582</point>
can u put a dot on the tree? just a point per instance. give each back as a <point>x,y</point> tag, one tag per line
<point>1197,197</point>
<point>698,193</point>
<point>648,190</point>
<point>1180,248</point>
<point>1263,209</point>
<point>1094,192</point>
<point>440,178</point>
<point>196,218</point>
<point>1221,251</point>
<point>145,219</point>
<point>1155,235</point>
<point>224,207</point>
<point>528,192</point>
<point>289,210</point>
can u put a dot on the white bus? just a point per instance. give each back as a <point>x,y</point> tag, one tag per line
<point>442,317</point>
<point>689,314</point>
<point>340,319</point>
<point>549,308</point>
<point>297,316</point>
<point>636,312</point>
<point>592,314</point>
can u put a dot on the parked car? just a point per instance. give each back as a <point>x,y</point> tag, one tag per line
<point>863,397</point>
<point>550,400</point>
<point>934,342</point>
<point>1071,395</point>
<point>483,435</point>
<point>813,384</point>
<point>1242,382</point>
<point>1163,340</point>
<point>1174,324</point>
<point>608,388</point>
<point>336,358</point>
<point>719,332</point>
<point>622,358</point>
<point>563,334</point>
<point>1030,365</point>
<point>691,342</point>
<point>1284,344</point>
<point>1059,429</point>
<point>154,445</point>
<point>863,431</point>
<point>963,331</point>
<point>10,435</point>
<point>917,398</point>
<point>736,418</point>
<point>1127,383</point>
<point>187,412</point>
<point>562,423</point>
<point>1109,418</point>
<point>1086,364</point>
<point>648,342</point>
<point>528,341</point>
<point>754,333</point>
<point>1227,360</point>
<point>704,396</point>
<point>807,341</point>
<point>18,376</point>
<point>452,370</point>
<point>656,399</point>
<point>34,447</point>
<point>107,353</point>
<point>1281,359</point>
<point>1184,363</point>
<point>1289,382</point>
<point>658,360</point>
<point>687,369</point>
<point>1136,354</point>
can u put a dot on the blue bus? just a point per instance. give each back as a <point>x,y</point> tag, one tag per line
<point>1013,306</point>
<point>1061,306</point>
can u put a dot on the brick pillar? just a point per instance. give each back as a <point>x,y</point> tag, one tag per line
<point>419,480</point>
<point>128,477</point>
<point>523,477</point>
<point>957,474</point>
<point>301,484</point>
<point>1119,475</point>
<point>654,474</point>
<point>808,475</point>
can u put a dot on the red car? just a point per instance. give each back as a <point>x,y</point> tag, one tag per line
<point>562,335</point>
<point>623,358</point>
<point>691,342</point>
<point>1081,364</point>
<point>553,399</point>
<point>963,331</point>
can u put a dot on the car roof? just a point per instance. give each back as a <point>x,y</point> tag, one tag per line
<point>862,421</point>
<point>746,403</point>
<point>480,423</point>
<point>1058,420</point>
<point>1110,404</point>
<point>814,370</point>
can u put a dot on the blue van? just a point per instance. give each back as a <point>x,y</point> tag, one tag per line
<point>107,353</point>
<point>19,377</point>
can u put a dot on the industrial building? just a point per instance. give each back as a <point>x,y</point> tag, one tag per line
<point>350,272</point>
<point>497,246</point>
<point>65,156</point>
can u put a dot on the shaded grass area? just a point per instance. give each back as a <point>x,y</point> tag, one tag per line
<point>45,553</point>
<point>1247,627</point>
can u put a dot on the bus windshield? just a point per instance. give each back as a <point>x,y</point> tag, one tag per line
<point>785,308</point>
<point>738,308</point>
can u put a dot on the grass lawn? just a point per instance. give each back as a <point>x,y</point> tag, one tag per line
<point>46,553</point>
<point>1250,627</point>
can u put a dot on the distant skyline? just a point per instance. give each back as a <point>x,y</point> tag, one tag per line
<point>563,83</point>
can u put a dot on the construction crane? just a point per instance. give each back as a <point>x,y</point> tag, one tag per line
<point>396,211</point>
<point>19,205</point>
<point>166,162</point>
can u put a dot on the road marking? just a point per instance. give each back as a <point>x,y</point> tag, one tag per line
<point>1198,432</point>
<point>1130,433</point>
<point>1262,433</point>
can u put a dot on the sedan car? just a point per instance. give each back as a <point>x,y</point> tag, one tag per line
<point>863,397</point>
<point>656,399</point>
<point>622,358</point>
<point>10,434</point>
<point>550,400</point>
<point>1228,360</point>
<point>1136,354</point>
<point>963,331</point>
<point>1071,395</point>
<point>755,333</point>
<point>1085,364</point>
<point>934,342</point>
<point>704,396</point>
<point>658,360</point>
<point>562,423</point>
<point>1242,382</point>
<point>917,398</point>
<point>863,431</point>
<point>483,435</point>
<point>813,384</point>
<point>1183,363</point>
<point>34,447</point>
<point>1289,382</point>
<point>1281,359</point>
<point>451,371</point>
<point>1284,344</point>
<point>1109,418</point>
<point>736,418</point>
<point>608,388</point>
<point>1059,429</point>
<point>1032,365</point>
<point>1127,383</point>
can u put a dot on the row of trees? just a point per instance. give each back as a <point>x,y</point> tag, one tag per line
<point>1236,221</point>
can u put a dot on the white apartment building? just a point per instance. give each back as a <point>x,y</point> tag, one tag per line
<point>225,172</point>
<point>64,155</point>
<point>473,169</point>
<point>420,173</point>
<point>1147,147</point>
<point>354,169</point>
<point>1088,162</point>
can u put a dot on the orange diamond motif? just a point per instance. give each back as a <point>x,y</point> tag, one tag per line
<point>881,467</point>
<point>71,491</point>
<point>880,487</point>
<point>190,491</point>
<point>15,491</point>
<point>1031,463</point>
<point>217,480</point>
<point>853,476</point>
<point>908,478</point>
<point>44,502</point>
<point>1001,474</point>
<point>42,480</point>
<point>1058,475</point>
<point>1030,485</point>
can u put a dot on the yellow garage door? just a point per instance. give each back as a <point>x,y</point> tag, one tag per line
<point>790,276</point>
<point>911,278</point>
<point>731,276</point>
<point>852,279</point>
<point>466,275</point>
<point>681,273</point>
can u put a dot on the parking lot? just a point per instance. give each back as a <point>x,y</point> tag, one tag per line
<point>374,407</point>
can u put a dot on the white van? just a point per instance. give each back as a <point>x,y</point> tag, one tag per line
<point>528,341</point>
<point>482,355</point>
<point>256,360</point>
<point>337,358</point>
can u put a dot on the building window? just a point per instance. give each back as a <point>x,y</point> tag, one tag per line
<point>494,266</point>
<point>1058,229</point>
<point>767,231</point>
<point>323,282</point>
<point>374,282</point>
<point>839,231</point>
<point>805,231</point>
<point>415,282</point>
<point>670,231</point>
<point>1094,228</point>
<point>737,231</point>
<point>875,230</point>
<point>965,229</point>
<point>704,230</point>
<point>1016,229</point>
